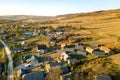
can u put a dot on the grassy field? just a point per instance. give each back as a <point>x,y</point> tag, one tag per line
<point>102,26</point>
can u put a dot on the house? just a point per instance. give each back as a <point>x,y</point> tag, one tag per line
<point>42,48</point>
<point>15,39</point>
<point>89,50</point>
<point>81,52</point>
<point>17,50</point>
<point>105,49</point>
<point>102,77</point>
<point>34,76</point>
<point>28,33</point>
<point>80,47</point>
<point>52,40</point>
<point>64,56</point>
<point>99,52</point>
<point>71,61</point>
<point>35,33</point>
<point>71,50</point>
<point>30,59</point>
<point>23,43</point>
<point>22,38</point>
<point>63,45</point>
<point>93,45</point>
<point>51,34</point>
<point>25,66</point>
<point>59,33</point>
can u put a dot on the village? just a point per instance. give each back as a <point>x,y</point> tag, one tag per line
<point>39,51</point>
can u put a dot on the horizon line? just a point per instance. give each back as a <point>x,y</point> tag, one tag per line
<point>58,14</point>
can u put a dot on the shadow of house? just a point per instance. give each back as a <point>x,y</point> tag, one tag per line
<point>78,56</point>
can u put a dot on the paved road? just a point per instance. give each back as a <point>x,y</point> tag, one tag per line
<point>10,61</point>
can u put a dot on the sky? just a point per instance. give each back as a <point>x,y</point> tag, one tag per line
<point>54,7</point>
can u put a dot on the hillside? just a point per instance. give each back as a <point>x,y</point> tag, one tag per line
<point>102,26</point>
<point>90,17</point>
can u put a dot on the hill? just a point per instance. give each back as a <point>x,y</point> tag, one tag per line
<point>24,17</point>
<point>102,26</point>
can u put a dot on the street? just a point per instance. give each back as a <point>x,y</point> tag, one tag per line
<point>10,62</point>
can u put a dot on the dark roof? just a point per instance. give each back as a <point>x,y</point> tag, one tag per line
<point>98,52</point>
<point>28,33</point>
<point>17,49</point>
<point>42,47</point>
<point>65,69</point>
<point>34,76</point>
<point>29,56</point>
<point>57,64</point>
<point>60,51</point>
<point>15,39</point>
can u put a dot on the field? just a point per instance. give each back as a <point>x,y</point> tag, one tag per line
<point>102,26</point>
